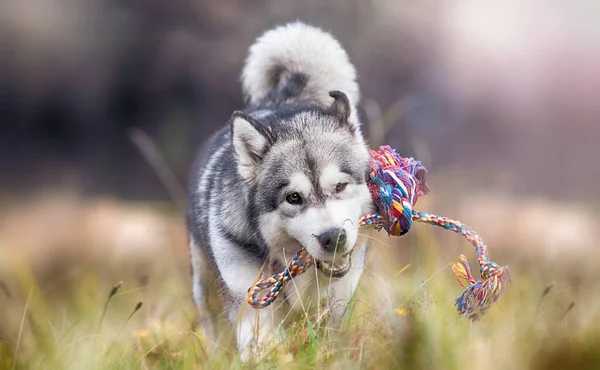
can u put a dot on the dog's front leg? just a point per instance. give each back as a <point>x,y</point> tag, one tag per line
<point>255,331</point>
<point>254,328</point>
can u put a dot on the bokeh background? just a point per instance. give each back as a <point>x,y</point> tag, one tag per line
<point>103,106</point>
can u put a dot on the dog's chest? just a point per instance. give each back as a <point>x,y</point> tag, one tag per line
<point>309,293</point>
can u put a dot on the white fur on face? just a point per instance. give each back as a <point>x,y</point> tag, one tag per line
<point>341,210</point>
<point>331,176</point>
<point>300,183</point>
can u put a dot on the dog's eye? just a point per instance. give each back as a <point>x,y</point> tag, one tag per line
<point>294,198</point>
<point>340,187</point>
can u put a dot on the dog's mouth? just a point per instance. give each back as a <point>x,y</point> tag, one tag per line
<point>337,267</point>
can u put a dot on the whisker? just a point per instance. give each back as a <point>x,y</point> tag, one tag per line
<point>379,292</point>
<point>425,282</point>
<point>375,239</point>
<point>379,277</point>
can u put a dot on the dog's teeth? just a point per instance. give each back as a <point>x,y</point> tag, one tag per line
<point>337,265</point>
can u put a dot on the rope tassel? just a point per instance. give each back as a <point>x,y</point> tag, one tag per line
<point>478,296</point>
<point>395,184</point>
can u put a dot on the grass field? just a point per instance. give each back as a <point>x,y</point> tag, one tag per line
<point>56,312</point>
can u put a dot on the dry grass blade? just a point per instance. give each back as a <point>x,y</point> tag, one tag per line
<point>5,289</point>
<point>135,309</point>
<point>545,293</point>
<point>569,308</point>
<point>17,347</point>
<point>152,155</point>
<point>112,293</point>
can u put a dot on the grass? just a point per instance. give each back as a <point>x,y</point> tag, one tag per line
<point>87,313</point>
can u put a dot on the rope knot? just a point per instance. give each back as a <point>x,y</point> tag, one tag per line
<point>396,183</point>
<point>492,269</point>
<point>478,296</point>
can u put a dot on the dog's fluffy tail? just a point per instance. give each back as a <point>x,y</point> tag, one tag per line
<point>297,63</point>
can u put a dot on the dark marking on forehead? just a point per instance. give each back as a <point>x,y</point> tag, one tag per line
<point>318,195</point>
<point>353,165</point>
<point>356,174</point>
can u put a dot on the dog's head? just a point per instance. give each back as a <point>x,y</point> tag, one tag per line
<point>305,169</point>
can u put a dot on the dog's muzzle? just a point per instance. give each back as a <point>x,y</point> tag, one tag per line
<point>334,241</point>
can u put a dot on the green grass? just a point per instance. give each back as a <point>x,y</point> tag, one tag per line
<point>67,314</point>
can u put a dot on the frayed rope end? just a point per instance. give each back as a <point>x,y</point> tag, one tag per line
<point>478,296</point>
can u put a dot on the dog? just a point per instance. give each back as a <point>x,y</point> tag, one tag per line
<point>287,172</point>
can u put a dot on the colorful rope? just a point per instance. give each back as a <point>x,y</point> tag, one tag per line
<point>395,184</point>
<point>300,263</point>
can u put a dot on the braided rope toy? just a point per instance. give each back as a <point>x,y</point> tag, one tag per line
<point>395,184</point>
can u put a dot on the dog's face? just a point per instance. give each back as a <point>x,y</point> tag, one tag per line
<point>306,171</point>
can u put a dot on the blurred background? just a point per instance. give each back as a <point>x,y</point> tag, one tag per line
<point>103,106</point>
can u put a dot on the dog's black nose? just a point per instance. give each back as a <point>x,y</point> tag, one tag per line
<point>333,240</point>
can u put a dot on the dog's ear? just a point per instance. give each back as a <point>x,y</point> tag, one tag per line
<point>343,110</point>
<point>251,141</point>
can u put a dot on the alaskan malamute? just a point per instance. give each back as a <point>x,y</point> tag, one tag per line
<point>287,172</point>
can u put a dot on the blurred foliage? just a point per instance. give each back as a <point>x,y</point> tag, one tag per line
<point>64,315</point>
<point>511,86</point>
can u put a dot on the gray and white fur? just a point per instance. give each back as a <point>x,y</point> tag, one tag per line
<point>285,173</point>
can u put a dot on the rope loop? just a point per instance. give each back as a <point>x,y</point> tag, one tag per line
<point>301,262</point>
